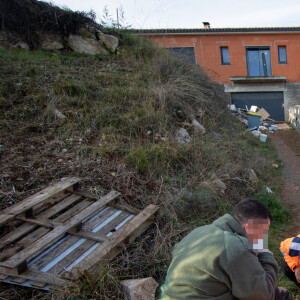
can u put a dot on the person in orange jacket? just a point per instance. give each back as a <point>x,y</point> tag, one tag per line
<point>290,265</point>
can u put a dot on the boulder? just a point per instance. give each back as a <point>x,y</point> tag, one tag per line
<point>182,136</point>
<point>140,289</point>
<point>110,41</point>
<point>198,127</point>
<point>85,45</point>
<point>21,45</point>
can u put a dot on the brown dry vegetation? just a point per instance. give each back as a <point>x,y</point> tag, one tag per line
<point>110,104</point>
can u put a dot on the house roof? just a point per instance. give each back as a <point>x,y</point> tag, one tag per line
<point>187,31</point>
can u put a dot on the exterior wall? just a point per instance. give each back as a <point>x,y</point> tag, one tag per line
<point>208,55</point>
<point>294,117</point>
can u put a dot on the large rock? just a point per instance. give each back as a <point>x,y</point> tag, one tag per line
<point>85,45</point>
<point>182,136</point>
<point>110,41</point>
<point>140,289</point>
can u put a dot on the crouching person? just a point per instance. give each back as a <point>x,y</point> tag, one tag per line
<point>226,259</point>
<point>290,265</point>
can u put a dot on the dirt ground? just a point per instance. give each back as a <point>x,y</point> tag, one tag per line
<point>287,143</point>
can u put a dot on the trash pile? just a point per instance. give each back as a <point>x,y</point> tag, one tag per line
<point>256,119</point>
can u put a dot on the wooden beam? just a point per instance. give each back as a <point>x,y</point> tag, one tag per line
<point>17,261</point>
<point>89,235</point>
<point>124,234</point>
<point>44,277</point>
<point>26,204</point>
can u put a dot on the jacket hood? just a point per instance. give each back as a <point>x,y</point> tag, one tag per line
<point>229,223</point>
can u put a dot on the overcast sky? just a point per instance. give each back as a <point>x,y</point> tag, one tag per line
<point>143,14</point>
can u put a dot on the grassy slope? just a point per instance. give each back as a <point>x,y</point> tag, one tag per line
<point>122,113</point>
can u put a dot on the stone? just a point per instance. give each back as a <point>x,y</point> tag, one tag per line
<point>252,175</point>
<point>198,127</point>
<point>275,166</point>
<point>58,114</point>
<point>21,45</point>
<point>110,41</point>
<point>182,136</point>
<point>85,45</point>
<point>140,289</point>
<point>219,185</point>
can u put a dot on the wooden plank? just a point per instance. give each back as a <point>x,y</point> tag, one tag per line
<point>25,228</point>
<point>29,239</point>
<point>47,278</point>
<point>17,261</point>
<point>26,204</point>
<point>40,222</point>
<point>89,235</point>
<point>71,257</point>
<point>264,114</point>
<point>44,261</point>
<point>42,231</point>
<point>124,207</point>
<point>3,276</point>
<point>126,234</point>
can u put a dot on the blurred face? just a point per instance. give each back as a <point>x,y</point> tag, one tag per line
<point>256,229</point>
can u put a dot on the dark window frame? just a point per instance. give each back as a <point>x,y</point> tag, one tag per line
<point>258,48</point>
<point>280,61</point>
<point>222,56</point>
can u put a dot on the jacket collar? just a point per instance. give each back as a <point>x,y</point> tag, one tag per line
<point>229,223</point>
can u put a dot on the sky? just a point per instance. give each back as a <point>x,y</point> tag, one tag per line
<point>147,14</point>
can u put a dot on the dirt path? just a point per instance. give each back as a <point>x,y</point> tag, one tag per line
<point>287,143</point>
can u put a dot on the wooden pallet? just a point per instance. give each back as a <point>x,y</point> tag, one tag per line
<point>63,230</point>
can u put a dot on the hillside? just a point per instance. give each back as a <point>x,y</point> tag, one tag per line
<point>112,121</point>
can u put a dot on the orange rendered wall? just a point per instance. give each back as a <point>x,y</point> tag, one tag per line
<point>207,52</point>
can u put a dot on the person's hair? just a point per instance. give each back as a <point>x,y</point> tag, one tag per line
<point>250,209</point>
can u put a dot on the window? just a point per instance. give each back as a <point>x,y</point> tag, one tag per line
<point>258,61</point>
<point>185,53</point>
<point>282,55</point>
<point>225,56</point>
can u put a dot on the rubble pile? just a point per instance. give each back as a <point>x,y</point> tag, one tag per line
<point>257,120</point>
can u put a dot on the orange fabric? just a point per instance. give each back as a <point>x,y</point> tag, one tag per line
<point>293,262</point>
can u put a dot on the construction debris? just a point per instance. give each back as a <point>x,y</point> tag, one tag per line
<point>257,120</point>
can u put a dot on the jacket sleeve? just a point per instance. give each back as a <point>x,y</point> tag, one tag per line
<point>253,277</point>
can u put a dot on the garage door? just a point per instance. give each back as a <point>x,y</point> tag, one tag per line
<point>271,102</point>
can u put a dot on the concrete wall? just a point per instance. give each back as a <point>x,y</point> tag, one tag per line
<point>294,117</point>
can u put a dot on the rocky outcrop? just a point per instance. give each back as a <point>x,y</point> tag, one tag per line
<point>111,42</point>
<point>88,41</point>
<point>85,45</point>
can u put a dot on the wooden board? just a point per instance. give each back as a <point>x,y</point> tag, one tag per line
<point>65,230</point>
<point>264,114</point>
